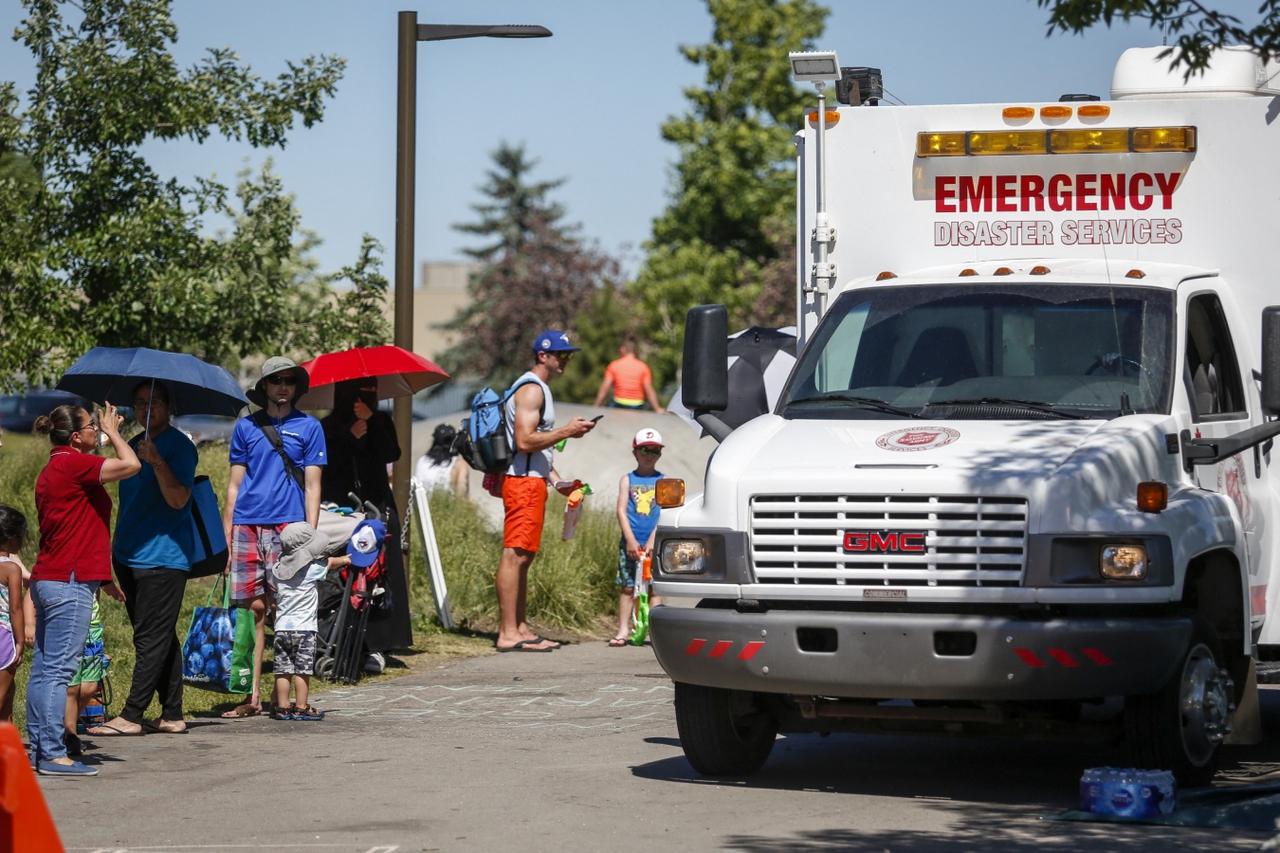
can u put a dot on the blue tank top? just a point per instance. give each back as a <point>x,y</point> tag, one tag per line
<point>642,508</point>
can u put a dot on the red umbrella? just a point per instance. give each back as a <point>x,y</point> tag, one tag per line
<point>398,371</point>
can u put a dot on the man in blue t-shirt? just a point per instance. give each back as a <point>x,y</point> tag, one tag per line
<point>264,493</point>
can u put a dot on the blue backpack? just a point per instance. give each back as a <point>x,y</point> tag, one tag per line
<point>482,441</point>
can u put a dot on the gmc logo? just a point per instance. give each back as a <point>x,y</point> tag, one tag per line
<point>875,542</point>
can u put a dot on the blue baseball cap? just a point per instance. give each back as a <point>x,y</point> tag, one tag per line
<point>553,340</point>
<point>366,542</point>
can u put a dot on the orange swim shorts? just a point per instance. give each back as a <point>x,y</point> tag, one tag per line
<point>525,501</point>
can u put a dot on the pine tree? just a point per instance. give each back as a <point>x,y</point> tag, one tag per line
<point>536,272</point>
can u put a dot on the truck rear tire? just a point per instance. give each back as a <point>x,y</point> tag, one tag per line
<point>723,732</point>
<point>1180,726</point>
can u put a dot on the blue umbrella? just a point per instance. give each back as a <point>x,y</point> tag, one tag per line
<point>109,374</point>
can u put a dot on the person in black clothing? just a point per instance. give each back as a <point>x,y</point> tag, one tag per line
<point>362,442</point>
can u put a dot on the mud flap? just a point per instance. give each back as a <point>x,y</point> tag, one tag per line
<point>1246,722</point>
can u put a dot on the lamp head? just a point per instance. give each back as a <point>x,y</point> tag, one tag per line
<point>819,67</point>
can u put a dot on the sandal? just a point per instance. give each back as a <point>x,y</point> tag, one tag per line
<point>617,642</point>
<point>108,730</point>
<point>248,709</point>
<point>308,713</point>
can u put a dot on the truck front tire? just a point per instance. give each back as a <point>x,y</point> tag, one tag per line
<point>723,732</point>
<point>1180,727</point>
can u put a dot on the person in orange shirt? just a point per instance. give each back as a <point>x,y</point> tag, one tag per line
<point>631,381</point>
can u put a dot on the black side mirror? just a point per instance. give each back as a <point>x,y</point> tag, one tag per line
<point>1271,360</point>
<point>705,378</point>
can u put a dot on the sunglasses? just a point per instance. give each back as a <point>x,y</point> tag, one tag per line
<point>282,380</point>
<point>650,451</point>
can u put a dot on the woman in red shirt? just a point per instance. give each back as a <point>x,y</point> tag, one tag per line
<point>73,561</point>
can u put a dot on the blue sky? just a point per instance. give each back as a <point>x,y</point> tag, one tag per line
<point>587,103</point>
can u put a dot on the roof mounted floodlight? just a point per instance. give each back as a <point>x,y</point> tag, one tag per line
<point>815,66</point>
<point>819,67</point>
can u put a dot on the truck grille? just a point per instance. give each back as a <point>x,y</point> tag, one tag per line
<point>967,540</point>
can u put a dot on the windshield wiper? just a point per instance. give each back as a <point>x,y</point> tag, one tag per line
<point>1032,405</point>
<point>856,400</point>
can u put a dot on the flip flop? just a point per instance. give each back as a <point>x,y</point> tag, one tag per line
<point>617,642</point>
<point>522,646</point>
<point>542,639</point>
<point>104,730</point>
<point>239,711</point>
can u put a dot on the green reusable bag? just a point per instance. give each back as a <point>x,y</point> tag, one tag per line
<point>218,653</point>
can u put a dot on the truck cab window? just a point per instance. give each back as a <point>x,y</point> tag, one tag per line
<point>1212,374</point>
<point>997,351</point>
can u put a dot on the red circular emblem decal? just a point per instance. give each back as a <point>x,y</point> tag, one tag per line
<point>917,438</point>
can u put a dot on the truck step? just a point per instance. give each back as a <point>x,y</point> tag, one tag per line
<point>1268,671</point>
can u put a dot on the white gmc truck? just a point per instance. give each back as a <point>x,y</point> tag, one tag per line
<point>1020,480</point>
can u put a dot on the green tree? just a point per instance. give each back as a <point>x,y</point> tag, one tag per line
<point>1194,28</point>
<point>536,272</point>
<point>98,248</point>
<point>730,220</point>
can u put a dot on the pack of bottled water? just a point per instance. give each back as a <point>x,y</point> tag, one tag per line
<point>1127,792</point>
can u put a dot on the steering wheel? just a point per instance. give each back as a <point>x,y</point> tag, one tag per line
<point>1116,364</point>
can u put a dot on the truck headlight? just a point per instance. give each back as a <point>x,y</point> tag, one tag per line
<point>1123,562</point>
<point>684,557</point>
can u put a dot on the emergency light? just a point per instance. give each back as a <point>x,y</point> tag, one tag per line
<point>1094,140</point>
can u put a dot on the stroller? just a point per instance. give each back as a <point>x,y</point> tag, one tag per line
<point>348,594</point>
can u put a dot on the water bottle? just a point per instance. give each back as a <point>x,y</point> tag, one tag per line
<point>1127,792</point>
<point>573,510</point>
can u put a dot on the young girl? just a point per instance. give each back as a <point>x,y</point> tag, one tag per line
<point>13,531</point>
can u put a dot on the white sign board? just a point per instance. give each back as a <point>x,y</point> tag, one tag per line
<point>432,552</point>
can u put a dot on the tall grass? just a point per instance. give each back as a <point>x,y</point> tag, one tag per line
<point>570,583</point>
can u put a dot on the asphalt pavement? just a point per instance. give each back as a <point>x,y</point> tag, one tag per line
<point>577,750</point>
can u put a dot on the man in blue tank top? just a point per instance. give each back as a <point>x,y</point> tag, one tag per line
<point>532,432</point>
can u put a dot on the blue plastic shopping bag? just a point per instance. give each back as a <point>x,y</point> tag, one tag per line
<point>218,653</point>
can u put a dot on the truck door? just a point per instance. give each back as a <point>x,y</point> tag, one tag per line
<point>1220,406</point>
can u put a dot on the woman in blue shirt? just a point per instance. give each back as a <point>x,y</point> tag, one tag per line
<point>153,539</point>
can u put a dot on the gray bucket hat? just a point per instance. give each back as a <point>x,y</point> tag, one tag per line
<point>300,546</point>
<point>277,364</point>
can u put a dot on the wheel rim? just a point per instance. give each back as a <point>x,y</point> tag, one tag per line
<point>1204,705</point>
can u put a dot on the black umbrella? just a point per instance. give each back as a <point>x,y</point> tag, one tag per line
<point>760,360</point>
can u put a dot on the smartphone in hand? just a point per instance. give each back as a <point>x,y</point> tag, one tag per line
<point>596,419</point>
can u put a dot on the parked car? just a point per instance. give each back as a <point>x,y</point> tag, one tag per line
<point>18,412</point>
<point>206,428</point>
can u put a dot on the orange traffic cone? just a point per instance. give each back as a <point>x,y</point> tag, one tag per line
<point>25,823</point>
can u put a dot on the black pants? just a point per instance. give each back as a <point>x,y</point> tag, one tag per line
<point>153,598</point>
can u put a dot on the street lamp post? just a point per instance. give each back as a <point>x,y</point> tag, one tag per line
<point>410,33</point>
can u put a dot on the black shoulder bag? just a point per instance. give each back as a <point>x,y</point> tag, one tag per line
<point>263,422</point>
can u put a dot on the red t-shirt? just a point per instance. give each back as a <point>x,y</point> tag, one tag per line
<point>75,518</point>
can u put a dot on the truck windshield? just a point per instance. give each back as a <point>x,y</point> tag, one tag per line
<point>988,351</point>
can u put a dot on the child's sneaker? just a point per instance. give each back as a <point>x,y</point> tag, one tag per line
<point>284,714</point>
<point>308,714</point>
